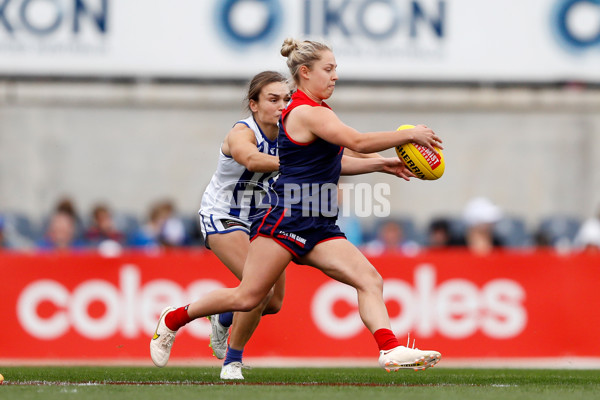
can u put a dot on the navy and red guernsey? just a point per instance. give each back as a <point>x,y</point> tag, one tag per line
<point>304,208</point>
<point>313,162</point>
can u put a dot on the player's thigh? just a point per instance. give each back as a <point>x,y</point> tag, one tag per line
<point>264,267</point>
<point>231,248</point>
<point>342,261</point>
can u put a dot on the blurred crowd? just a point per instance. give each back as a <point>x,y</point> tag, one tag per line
<point>110,232</point>
<point>481,228</point>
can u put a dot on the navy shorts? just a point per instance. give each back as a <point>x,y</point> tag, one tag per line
<point>298,235</point>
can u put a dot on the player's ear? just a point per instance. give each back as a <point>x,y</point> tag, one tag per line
<point>253,106</point>
<point>304,71</point>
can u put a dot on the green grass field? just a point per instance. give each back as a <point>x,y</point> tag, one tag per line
<point>295,383</point>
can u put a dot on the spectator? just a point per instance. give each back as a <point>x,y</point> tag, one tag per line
<point>347,220</point>
<point>172,232</point>
<point>3,241</point>
<point>194,233</point>
<point>10,239</point>
<point>480,215</point>
<point>391,239</point>
<point>102,232</point>
<point>588,236</point>
<point>541,239</point>
<point>64,205</point>
<point>147,235</point>
<point>163,228</point>
<point>67,205</point>
<point>61,234</point>
<point>102,227</point>
<point>350,225</point>
<point>440,235</point>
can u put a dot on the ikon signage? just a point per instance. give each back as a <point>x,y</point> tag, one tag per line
<point>423,40</point>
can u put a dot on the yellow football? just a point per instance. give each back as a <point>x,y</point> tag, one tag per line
<point>423,162</point>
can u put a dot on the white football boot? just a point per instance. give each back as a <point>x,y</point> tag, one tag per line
<point>218,338</point>
<point>232,371</point>
<point>404,357</point>
<point>160,345</point>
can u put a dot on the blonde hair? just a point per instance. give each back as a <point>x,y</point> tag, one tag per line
<point>299,53</point>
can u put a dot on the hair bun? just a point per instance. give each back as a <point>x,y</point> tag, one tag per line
<point>289,45</point>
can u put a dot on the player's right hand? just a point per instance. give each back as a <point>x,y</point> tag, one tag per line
<point>425,136</point>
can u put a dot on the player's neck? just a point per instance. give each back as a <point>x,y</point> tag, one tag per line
<point>310,95</point>
<point>269,130</point>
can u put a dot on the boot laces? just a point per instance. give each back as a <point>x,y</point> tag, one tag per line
<point>408,343</point>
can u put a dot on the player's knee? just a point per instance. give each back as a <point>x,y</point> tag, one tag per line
<point>246,301</point>
<point>268,304</point>
<point>247,304</point>
<point>373,281</point>
<point>274,305</point>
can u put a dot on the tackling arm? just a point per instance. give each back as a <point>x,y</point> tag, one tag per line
<point>240,143</point>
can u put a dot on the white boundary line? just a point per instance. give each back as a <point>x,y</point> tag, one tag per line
<point>541,363</point>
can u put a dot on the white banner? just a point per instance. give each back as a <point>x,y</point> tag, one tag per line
<point>439,40</point>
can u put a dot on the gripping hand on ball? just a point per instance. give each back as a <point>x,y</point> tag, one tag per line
<point>396,167</point>
<point>426,137</point>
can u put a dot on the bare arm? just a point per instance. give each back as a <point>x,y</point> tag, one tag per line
<point>305,123</point>
<point>393,166</point>
<point>240,143</point>
<point>351,153</point>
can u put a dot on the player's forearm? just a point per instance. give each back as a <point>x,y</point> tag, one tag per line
<point>372,142</point>
<point>357,166</point>
<point>261,162</point>
<point>351,153</point>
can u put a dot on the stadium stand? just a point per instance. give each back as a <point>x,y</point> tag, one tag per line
<point>23,232</point>
<point>558,228</point>
<point>512,232</point>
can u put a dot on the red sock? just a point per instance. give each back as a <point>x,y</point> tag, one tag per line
<point>386,340</point>
<point>177,318</point>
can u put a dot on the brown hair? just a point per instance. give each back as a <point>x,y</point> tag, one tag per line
<point>301,53</point>
<point>99,209</point>
<point>259,81</point>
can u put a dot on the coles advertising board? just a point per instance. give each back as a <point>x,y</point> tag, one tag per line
<point>87,308</point>
<point>435,40</point>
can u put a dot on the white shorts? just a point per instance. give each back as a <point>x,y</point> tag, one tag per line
<point>214,223</point>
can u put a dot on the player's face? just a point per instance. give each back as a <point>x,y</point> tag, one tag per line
<point>324,74</point>
<point>271,102</point>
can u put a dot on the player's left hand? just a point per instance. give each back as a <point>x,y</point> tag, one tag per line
<point>395,166</point>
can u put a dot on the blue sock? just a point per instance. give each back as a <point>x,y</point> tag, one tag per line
<point>226,319</point>
<point>233,355</point>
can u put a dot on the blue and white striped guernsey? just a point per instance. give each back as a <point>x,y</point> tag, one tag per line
<point>234,191</point>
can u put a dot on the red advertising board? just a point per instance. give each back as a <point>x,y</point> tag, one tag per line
<point>86,307</point>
